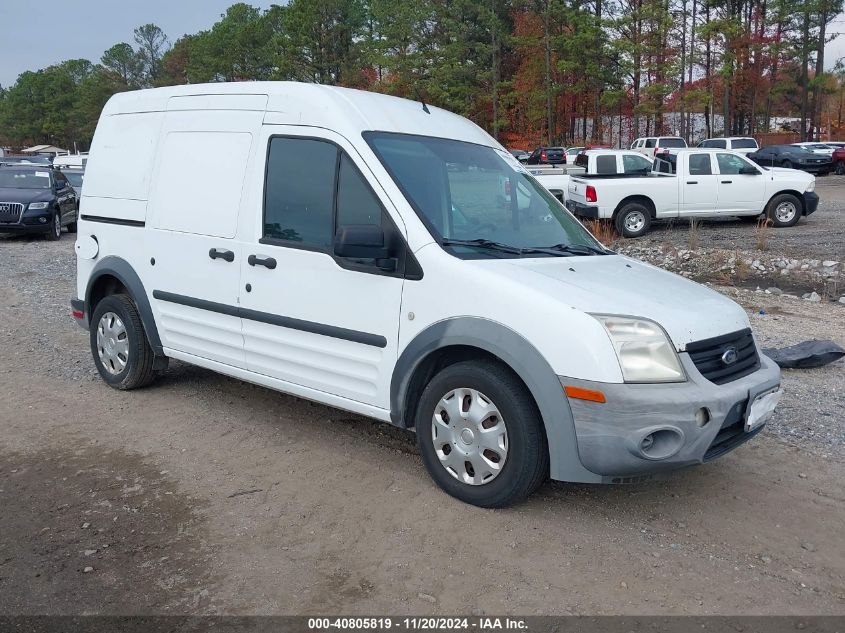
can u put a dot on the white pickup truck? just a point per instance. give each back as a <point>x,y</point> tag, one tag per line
<point>604,162</point>
<point>694,183</point>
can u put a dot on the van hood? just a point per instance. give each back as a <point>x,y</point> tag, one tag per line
<point>613,284</point>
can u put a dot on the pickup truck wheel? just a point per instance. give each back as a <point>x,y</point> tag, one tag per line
<point>480,435</point>
<point>784,210</point>
<point>633,220</point>
<point>119,344</point>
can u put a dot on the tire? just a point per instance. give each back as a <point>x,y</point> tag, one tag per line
<point>71,227</point>
<point>124,362</point>
<point>54,233</point>
<point>787,164</point>
<point>778,210</point>
<point>525,458</point>
<point>633,220</point>
<point>840,168</point>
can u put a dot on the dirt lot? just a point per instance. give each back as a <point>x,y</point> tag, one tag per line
<point>206,495</point>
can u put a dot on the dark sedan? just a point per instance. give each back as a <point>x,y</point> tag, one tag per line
<point>792,157</point>
<point>36,200</point>
<point>547,156</point>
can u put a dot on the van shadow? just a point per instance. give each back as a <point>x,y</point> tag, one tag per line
<point>675,493</point>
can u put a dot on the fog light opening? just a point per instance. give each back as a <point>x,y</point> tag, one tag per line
<point>661,444</point>
<point>42,220</point>
<point>702,417</point>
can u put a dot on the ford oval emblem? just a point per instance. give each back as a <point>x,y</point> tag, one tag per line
<point>729,356</point>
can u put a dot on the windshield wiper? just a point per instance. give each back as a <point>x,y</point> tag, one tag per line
<point>485,244</point>
<point>572,249</point>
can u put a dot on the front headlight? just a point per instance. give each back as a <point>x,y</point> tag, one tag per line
<point>38,205</point>
<point>644,350</point>
<point>811,186</point>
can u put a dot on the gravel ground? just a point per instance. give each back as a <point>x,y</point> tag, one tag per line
<point>204,494</point>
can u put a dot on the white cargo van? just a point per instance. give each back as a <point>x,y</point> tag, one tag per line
<point>359,250</point>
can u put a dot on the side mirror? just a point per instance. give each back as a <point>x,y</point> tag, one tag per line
<point>364,241</point>
<point>748,170</point>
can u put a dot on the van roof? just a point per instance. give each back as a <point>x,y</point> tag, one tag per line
<point>344,110</point>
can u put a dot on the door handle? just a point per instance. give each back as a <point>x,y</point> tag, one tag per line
<point>727,182</point>
<point>692,182</point>
<point>267,262</point>
<point>219,253</point>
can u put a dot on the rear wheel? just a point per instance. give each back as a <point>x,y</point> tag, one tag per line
<point>787,164</point>
<point>480,435</point>
<point>840,168</point>
<point>119,345</point>
<point>633,220</point>
<point>784,210</point>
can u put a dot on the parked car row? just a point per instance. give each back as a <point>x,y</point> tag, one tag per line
<point>548,155</point>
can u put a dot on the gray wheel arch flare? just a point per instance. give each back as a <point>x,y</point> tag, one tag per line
<point>524,359</point>
<point>122,270</point>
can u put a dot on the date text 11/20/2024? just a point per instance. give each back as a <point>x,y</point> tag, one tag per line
<point>417,624</point>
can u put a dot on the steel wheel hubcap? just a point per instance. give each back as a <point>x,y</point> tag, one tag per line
<point>635,221</point>
<point>785,211</point>
<point>112,343</point>
<point>469,436</point>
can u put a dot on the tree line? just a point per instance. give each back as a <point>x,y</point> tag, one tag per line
<point>528,71</point>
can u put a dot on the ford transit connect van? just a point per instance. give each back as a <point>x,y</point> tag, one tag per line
<point>393,260</point>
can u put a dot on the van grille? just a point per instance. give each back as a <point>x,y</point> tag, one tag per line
<point>10,212</point>
<point>725,358</point>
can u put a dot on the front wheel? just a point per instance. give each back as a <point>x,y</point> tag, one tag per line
<point>786,164</point>
<point>119,345</point>
<point>784,210</point>
<point>480,435</point>
<point>633,220</point>
<point>55,231</point>
<point>840,168</point>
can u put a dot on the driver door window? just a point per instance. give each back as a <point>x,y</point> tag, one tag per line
<point>730,164</point>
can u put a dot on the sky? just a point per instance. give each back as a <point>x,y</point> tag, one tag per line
<point>39,34</point>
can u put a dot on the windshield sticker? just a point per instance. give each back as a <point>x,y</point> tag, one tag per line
<point>43,174</point>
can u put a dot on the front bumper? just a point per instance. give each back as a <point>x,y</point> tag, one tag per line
<point>610,434</point>
<point>811,202</point>
<point>817,168</point>
<point>32,221</point>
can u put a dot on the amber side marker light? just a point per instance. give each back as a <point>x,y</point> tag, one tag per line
<point>584,394</point>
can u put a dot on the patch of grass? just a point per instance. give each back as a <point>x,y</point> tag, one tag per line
<point>761,233</point>
<point>743,268</point>
<point>603,231</point>
<point>694,239</point>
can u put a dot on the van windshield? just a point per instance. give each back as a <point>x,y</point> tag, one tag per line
<point>478,201</point>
